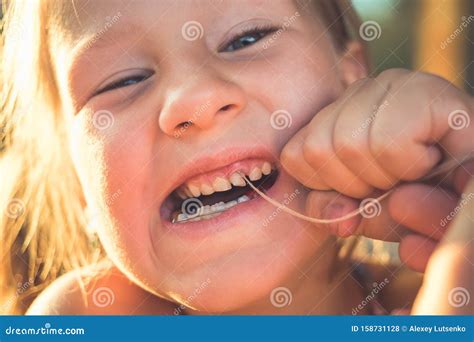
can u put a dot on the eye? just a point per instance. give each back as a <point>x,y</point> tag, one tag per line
<point>123,82</point>
<point>246,38</point>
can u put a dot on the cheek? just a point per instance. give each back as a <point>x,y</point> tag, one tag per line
<point>293,87</point>
<point>115,167</point>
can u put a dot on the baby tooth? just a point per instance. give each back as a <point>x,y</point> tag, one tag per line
<point>255,174</point>
<point>188,192</point>
<point>194,190</point>
<point>181,194</point>
<point>243,198</point>
<point>230,204</point>
<point>237,179</point>
<point>207,189</point>
<point>266,168</point>
<point>221,184</point>
<point>219,206</point>
<point>181,217</point>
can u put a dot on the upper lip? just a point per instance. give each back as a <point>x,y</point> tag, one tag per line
<point>209,162</point>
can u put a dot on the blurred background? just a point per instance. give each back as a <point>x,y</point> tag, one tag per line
<point>435,36</point>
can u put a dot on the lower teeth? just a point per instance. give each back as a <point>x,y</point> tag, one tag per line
<point>208,211</point>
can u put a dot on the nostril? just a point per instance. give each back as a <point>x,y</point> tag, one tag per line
<point>226,107</point>
<point>184,124</point>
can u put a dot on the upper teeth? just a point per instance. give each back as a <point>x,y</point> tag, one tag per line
<point>222,183</point>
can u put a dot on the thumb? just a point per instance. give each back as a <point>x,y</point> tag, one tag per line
<point>375,222</point>
<point>331,205</point>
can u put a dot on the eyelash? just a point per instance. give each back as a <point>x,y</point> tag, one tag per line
<point>121,83</point>
<point>262,30</point>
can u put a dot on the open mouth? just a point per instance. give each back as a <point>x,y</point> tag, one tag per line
<point>209,195</point>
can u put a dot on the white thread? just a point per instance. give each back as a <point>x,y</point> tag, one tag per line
<point>448,166</point>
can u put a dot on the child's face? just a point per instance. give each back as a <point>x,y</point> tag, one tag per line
<point>228,88</point>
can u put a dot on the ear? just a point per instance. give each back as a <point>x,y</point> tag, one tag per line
<point>353,64</point>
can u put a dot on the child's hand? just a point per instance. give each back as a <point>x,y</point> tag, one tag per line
<point>353,150</point>
<point>394,127</point>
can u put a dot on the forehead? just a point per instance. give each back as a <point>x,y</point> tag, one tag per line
<point>84,17</point>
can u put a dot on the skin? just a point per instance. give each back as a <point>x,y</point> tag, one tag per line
<point>120,167</point>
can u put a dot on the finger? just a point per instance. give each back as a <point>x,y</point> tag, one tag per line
<point>331,205</point>
<point>462,175</point>
<point>449,270</point>
<point>408,127</point>
<point>351,134</point>
<point>375,223</point>
<point>319,153</point>
<point>415,251</point>
<point>422,208</point>
<point>292,160</point>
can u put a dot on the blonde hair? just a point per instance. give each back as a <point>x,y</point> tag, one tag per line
<point>42,222</point>
<point>42,218</point>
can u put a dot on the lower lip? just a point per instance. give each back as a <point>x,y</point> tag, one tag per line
<point>233,217</point>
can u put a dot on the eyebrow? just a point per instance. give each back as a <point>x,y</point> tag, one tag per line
<point>103,38</point>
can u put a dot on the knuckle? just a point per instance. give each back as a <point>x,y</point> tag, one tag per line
<point>290,155</point>
<point>315,153</point>
<point>349,148</point>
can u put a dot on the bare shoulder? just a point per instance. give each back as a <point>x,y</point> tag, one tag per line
<point>97,290</point>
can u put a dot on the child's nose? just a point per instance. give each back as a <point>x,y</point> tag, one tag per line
<point>200,104</point>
